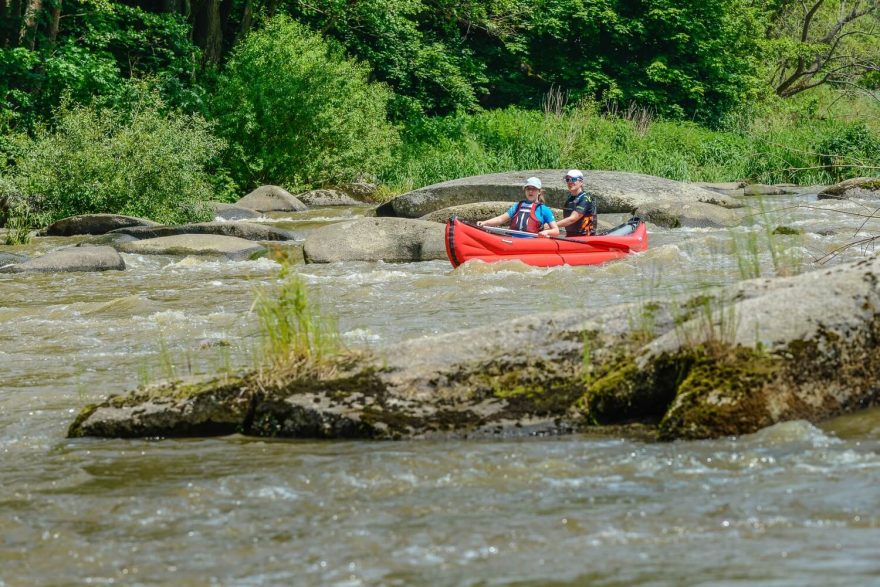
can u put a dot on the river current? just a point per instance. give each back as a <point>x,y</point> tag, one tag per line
<point>792,505</point>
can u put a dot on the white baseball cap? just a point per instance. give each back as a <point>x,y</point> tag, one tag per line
<point>575,174</point>
<point>533,182</point>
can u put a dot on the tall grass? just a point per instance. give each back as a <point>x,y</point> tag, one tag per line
<point>790,142</point>
<point>298,340</point>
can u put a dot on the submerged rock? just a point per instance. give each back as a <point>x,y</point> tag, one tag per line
<point>762,352</point>
<point>246,230</point>
<point>392,240</point>
<point>230,247</point>
<point>271,198</point>
<point>11,259</point>
<point>94,224</point>
<point>615,191</point>
<point>71,259</point>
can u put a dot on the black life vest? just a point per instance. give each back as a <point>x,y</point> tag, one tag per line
<point>525,217</point>
<point>586,226</point>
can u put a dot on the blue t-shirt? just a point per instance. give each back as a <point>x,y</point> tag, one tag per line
<point>542,213</point>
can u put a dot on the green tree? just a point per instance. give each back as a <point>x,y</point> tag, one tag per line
<point>297,111</point>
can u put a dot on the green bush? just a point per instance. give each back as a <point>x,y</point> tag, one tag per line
<point>145,162</point>
<point>297,112</point>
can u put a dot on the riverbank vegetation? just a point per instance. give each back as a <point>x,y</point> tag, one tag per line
<point>153,109</point>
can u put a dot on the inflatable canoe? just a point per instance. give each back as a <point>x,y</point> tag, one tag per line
<point>466,241</point>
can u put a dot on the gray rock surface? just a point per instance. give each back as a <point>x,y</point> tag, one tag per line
<point>760,189</point>
<point>760,360</point>
<point>226,211</point>
<point>315,198</point>
<point>688,214</point>
<point>71,259</point>
<point>11,259</point>
<point>230,247</point>
<point>246,230</point>
<point>271,198</point>
<point>856,188</point>
<point>376,239</point>
<point>94,224</point>
<point>614,191</point>
<point>721,187</point>
<point>359,190</point>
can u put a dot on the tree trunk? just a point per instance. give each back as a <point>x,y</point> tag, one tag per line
<point>247,16</point>
<point>28,34</point>
<point>55,22</point>
<point>208,29</point>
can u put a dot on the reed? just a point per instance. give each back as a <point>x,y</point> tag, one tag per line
<point>297,339</point>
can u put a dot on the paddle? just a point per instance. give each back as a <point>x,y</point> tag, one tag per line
<point>594,241</point>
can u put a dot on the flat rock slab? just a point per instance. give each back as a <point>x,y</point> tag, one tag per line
<point>71,259</point>
<point>392,240</point>
<point>271,198</point>
<point>232,212</point>
<point>777,361</point>
<point>246,230</point>
<point>722,187</point>
<point>856,188</point>
<point>327,198</point>
<point>231,247</point>
<point>94,224</point>
<point>614,191</point>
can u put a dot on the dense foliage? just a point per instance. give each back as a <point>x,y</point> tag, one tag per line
<point>142,161</point>
<point>297,111</point>
<point>312,92</point>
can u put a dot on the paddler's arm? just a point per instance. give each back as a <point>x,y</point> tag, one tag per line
<point>574,217</point>
<point>498,220</point>
<point>552,231</point>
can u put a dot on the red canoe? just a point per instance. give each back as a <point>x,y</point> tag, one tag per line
<point>466,241</point>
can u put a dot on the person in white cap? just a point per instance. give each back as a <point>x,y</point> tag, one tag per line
<point>579,212</point>
<point>530,214</point>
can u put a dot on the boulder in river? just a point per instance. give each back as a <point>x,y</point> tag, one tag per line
<point>728,363</point>
<point>327,198</point>
<point>70,259</point>
<point>271,198</point>
<point>230,247</point>
<point>615,191</point>
<point>94,224</point>
<point>226,211</point>
<point>689,214</point>
<point>246,230</point>
<point>376,239</point>
<point>855,188</point>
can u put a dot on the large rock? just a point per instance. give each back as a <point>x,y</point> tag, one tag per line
<point>271,198</point>
<point>226,211</point>
<point>718,365</point>
<point>376,239</point>
<point>195,244</point>
<point>475,211</point>
<point>856,188</point>
<point>359,190</point>
<point>614,191</point>
<point>94,224</point>
<point>70,260</point>
<point>689,214</point>
<point>327,198</point>
<point>246,230</point>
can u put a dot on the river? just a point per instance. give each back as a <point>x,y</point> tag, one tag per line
<point>795,504</point>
